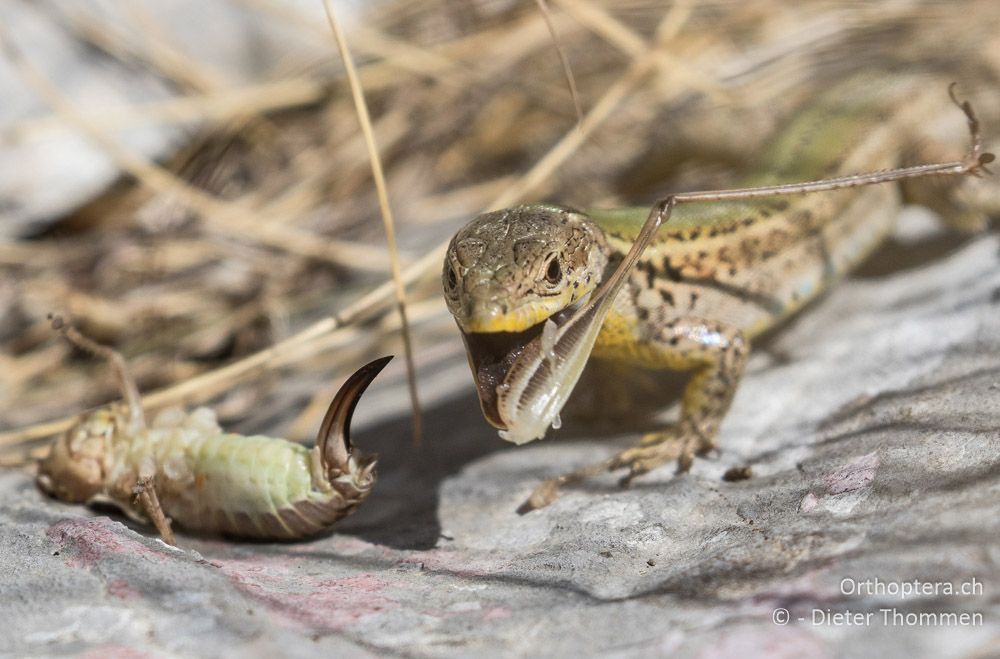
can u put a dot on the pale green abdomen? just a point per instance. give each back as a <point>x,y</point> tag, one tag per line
<point>251,486</point>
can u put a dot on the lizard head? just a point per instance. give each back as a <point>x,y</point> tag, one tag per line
<point>507,272</point>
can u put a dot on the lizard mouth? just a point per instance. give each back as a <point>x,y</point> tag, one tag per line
<point>492,354</point>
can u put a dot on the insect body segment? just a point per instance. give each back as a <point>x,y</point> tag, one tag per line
<point>185,468</point>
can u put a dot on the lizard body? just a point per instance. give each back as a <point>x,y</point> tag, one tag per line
<point>716,275</point>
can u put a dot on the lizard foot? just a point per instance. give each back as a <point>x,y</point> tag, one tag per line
<point>655,449</point>
<point>680,444</point>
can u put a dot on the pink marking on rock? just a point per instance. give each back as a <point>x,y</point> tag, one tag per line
<point>766,641</point>
<point>855,475</point>
<point>89,540</point>
<point>812,586</point>
<point>497,613</point>
<point>121,589</point>
<point>809,501</point>
<point>114,652</point>
<point>343,546</point>
<point>307,602</point>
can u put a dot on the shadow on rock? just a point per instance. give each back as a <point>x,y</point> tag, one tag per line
<point>402,510</point>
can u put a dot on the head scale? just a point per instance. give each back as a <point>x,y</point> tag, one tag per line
<point>509,270</point>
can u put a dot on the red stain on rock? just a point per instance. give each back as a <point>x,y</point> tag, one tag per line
<point>304,601</point>
<point>114,652</point>
<point>497,613</point>
<point>121,589</point>
<point>89,540</point>
<point>763,641</point>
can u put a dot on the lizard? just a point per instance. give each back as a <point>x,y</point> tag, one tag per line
<point>715,276</point>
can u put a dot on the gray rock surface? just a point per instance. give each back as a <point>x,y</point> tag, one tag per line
<point>871,424</point>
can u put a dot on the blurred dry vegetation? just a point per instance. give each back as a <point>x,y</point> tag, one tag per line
<point>264,220</point>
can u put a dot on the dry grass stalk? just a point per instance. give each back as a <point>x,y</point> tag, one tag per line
<point>361,105</point>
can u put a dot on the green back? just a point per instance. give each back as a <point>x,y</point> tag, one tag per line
<point>811,147</point>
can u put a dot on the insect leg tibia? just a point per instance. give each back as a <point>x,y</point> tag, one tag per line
<point>973,163</point>
<point>130,392</point>
<point>334,438</point>
<point>145,492</point>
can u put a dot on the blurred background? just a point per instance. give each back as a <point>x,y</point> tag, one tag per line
<point>186,181</point>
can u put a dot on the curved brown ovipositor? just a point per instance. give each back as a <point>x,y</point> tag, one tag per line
<point>334,437</point>
<point>351,472</point>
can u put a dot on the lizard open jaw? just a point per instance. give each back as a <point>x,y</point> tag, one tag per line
<point>495,359</point>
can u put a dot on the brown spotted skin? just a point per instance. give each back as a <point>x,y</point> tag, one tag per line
<point>719,274</point>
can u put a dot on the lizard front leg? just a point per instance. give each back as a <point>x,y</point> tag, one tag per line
<point>717,353</point>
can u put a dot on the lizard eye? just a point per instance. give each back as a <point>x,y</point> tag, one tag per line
<point>451,278</point>
<point>553,273</point>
